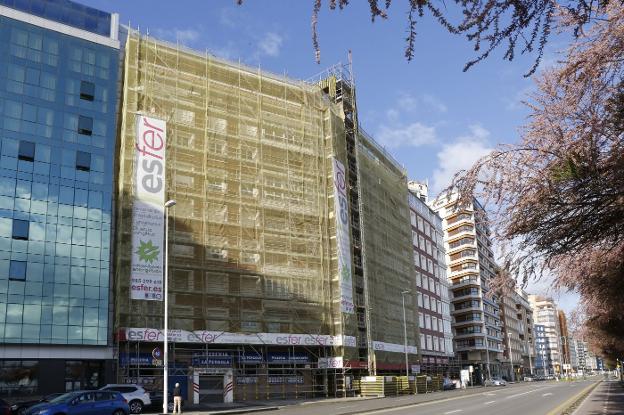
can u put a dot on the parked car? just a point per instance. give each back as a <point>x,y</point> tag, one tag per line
<point>83,403</point>
<point>136,396</point>
<point>5,409</point>
<point>18,408</point>
<point>495,381</point>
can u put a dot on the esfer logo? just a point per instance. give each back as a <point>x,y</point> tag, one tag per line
<point>150,145</point>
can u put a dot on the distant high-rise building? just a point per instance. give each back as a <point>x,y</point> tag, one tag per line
<point>471,267</point>
<point>545,314</point>
<point>58,107</point>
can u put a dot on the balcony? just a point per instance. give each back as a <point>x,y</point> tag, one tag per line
<point>463,229</point>
<point>465,281</point>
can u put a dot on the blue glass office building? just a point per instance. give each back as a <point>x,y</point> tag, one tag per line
<point>59,64</point>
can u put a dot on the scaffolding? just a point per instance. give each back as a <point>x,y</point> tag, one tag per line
<point>389,256</point>
<point>252,238</point>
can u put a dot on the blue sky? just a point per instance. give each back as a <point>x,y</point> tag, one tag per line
<point>434,118</point>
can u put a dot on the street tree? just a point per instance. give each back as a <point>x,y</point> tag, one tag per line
<point>516,26</point>
<point>556,198</point>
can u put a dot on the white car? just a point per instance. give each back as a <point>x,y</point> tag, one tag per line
<point>136,396</point>
<point>496,382</point>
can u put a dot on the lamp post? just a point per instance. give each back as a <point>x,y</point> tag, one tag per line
<point>405,331</point>
<point>513,375</point>
<point>168,204</point>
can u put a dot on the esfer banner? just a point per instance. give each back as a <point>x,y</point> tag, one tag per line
<point>146,274</point>
<point>343,243</point>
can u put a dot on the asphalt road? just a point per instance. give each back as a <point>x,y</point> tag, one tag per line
<point>520,399</point>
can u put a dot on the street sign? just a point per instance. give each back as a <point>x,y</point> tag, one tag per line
<point>470,369</point>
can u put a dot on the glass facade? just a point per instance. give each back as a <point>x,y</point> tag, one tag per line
<point>66,12</point>
<point>57,141</point>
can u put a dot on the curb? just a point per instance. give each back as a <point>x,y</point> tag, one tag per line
<point>237,411</point>
<point>569,406</point>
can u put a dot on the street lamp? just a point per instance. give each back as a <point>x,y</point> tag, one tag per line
<point>168,204</point>
<point>405,331</point>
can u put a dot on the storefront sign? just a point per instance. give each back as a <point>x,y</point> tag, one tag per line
<point>146,273</point>
<point>288,358</point>
<point>279,380</point>
<point>142,359</point>
<point>251,358</point>
<point>343,243</point>
<point>212,359</point>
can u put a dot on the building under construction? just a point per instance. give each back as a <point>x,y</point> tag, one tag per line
<point>260,231</point>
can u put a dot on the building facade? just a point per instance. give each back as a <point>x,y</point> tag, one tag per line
<point>513,329</point>
<point>525,334</point>
<point>58,100</point>
<point>545,314</point>
<point>434,317</point>
<point>478,339</point>
<point>285,268</point>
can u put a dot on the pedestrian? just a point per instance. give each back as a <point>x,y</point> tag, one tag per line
<point>177,399</point>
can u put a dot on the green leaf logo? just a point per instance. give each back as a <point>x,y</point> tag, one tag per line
<point>147,251</point>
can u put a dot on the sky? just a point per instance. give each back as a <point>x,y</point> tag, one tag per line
<point>433,117</point>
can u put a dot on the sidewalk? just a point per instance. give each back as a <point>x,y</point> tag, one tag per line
<point>606,399</point>
<point>271,405</point>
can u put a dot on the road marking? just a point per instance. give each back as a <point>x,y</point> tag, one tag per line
<point>487,403</point>
<point>346,406</point>
<point>453,412</point>
<point>523,393</point>
<point>547,394</point>
<point>489,394</point>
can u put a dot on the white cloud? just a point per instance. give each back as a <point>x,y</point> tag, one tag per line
<point>411,135</point>
<point>185,36</point>
<point>270,44</point>
<point>433,102</point>
<point>460,155</point>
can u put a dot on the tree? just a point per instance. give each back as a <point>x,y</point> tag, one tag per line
<point>556,198</point>
<point>515,25</point>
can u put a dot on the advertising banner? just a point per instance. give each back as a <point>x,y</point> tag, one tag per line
<point>343,243</point>
<point>392,347</point>
<point>222,337</point>
<point>146,273</point>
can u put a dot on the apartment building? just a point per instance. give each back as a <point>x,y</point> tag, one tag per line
<point>477,327</point>
<point>513,329</point>
<point>545,314</point>
<point>58,103</point>
<point>525,334</point>
<point>434,318</point>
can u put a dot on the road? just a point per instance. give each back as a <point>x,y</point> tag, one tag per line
<point>520,399</point>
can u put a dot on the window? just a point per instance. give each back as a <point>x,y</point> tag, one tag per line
<point>20,229</point>
<point>87,90</point>
<point>17,270</point>
<point>85,125</point>
<point>83,161</point>
<point>26,151</point>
